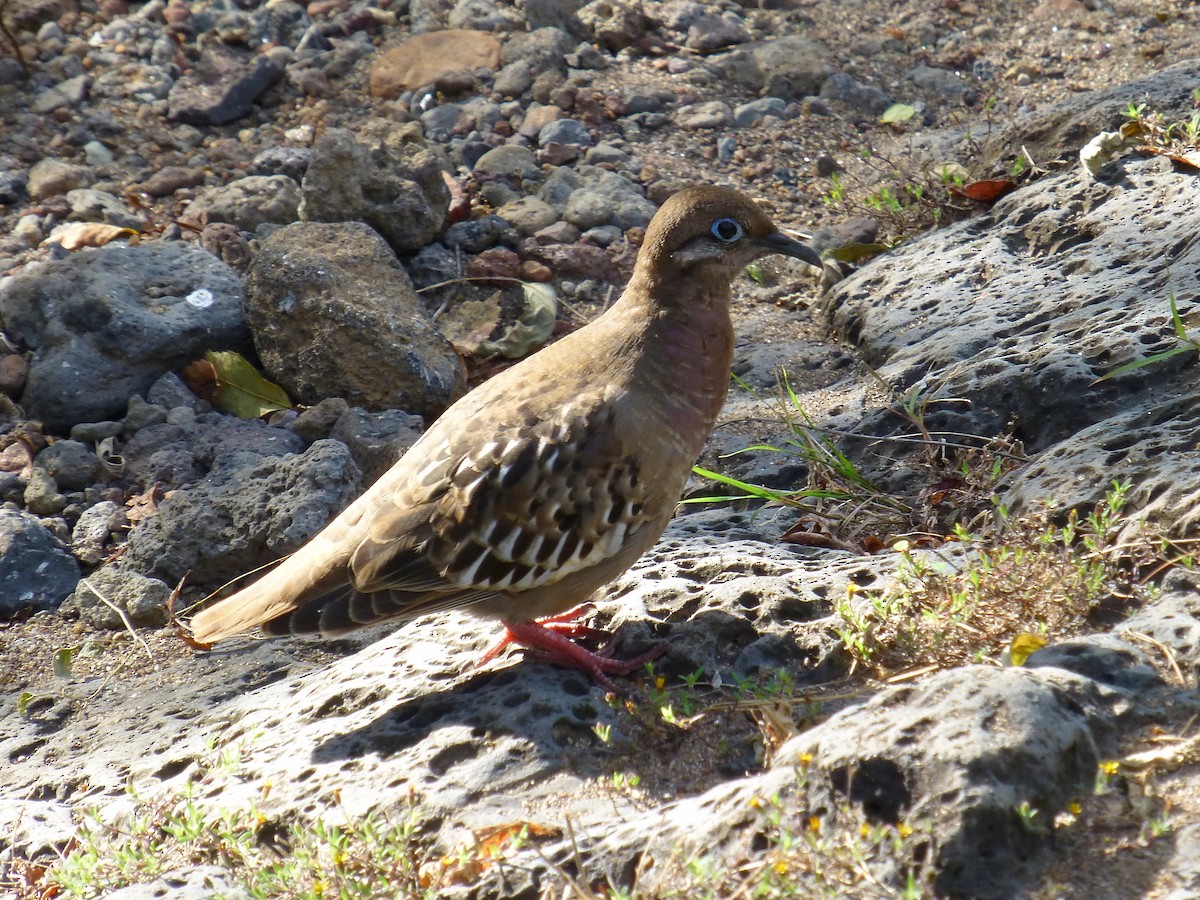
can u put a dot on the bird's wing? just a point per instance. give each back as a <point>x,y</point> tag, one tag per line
<point>539,501</point>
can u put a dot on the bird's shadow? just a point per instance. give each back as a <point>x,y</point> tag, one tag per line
<point>554,709</point>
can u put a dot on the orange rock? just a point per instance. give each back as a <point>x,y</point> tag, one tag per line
<point>426,58</point>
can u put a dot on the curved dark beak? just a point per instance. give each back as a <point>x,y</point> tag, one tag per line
<point>786,246</point>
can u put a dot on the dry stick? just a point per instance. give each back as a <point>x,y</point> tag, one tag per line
<point>1164,649</point>
<point>12,39</point>
<point>124,618</point>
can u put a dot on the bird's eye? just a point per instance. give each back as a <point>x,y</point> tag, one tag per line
<point>727,230</point>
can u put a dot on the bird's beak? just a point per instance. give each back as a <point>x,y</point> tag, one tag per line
<point>786,246</point>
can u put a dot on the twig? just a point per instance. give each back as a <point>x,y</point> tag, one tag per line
<point>12,39</point>
<point>124,618</point>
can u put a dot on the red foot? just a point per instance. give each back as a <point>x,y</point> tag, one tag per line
<point>563,624</point>
<point>553,645</point>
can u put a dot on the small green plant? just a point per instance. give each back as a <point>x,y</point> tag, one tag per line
<point>1185,343</point>
<point>1028,576</point>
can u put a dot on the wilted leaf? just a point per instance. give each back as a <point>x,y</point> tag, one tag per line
<point>534,327</point>
<point>1023,646</point>
<point>755,271</point>
<point>76,235</point>
<point>63,657</point>
<point>897,112</point>
<point>988,190</point>
<point>201,378</point>
<point>241,390</point>
<point>23,700</point>
<point>491,845</point>
<point>1187,160</point>
<point>143,506</point>
<point>468,324</point>
<point>852,253</point>
<point>1102,148</point>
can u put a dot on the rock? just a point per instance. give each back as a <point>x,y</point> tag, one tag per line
<point>376,440</point>
<point>528,215</point>
<point>247,203</point>
<point>752,113</point>
<point>477,235</point>
<point>334,315</point>
<point>103,325</point>
<point>170,179</point>
<point>712,114</point>
<point>514,79</point>
<point>863,98</point>
<point>609,199</point>
<point>317,421</point>
<point>142,600</point>
<point>510,160</point>
<point>385,176</point>
<point>36,828</point>
<point>191,883</point>
<point>543,50</point>
<point>290,161</point>
<point>427,58</point>
<point>248,510</point>
<point>42,497</point>
<point>789,67</point>
<point>565,131</point>
<point>498,263</point>
<point>537,118</point>
<point>708,34</point>
<point>100,206</point>
<point>939,82</point>
<point>70,463</point>
<point>68,93</point>
<point>90,536</point>
<point>222,86</point>
<point>614,24</point>
<point>52,177</point>
<point>35,571</point>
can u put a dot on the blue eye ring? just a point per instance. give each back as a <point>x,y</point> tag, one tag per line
<point>727,230</point>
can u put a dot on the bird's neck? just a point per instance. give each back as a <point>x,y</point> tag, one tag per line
<point>685,360</point>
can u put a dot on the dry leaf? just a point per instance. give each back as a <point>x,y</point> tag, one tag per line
<point>240,390</point>
<point>534,327</point>
<point>77,235</point>
<point>987,191</point>
<point>144,505</point>
<point>468,324</point>
<point>1188,160</point>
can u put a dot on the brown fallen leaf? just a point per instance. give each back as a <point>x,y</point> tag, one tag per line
<point>144,505</point>
<point>1187,159</point>
<point>987,191</point>
<point>77,235</point>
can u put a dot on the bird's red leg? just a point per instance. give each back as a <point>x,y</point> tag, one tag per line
<point>554,646</point>
<point>563,623</point>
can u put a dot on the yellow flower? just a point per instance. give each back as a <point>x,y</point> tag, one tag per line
<point>1074,807</point>
<point>805,759</point>
<point>755,803</point>
<point>781,867</point>
<point>814,824</point>
<point>904,829</point>
<point>1110,767</point>
<point>660,682</point>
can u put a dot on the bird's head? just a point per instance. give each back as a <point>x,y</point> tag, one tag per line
<point>716,231</point>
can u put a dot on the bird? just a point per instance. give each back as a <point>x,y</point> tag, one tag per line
<point>549,480</point>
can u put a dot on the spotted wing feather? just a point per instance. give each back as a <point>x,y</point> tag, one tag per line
<point>522,511</point>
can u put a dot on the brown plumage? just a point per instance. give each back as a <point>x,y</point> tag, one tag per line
<point>552,478</point>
